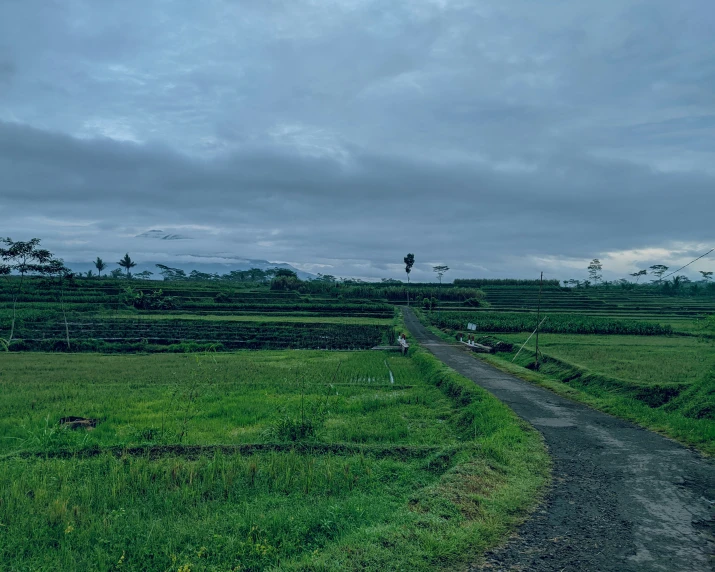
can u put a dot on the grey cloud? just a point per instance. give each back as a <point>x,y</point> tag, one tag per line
<point>471,133</point>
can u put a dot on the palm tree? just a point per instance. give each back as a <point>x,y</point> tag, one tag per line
<point>100,265</point>
<point>127,263</point>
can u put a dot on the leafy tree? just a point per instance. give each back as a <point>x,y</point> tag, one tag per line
<point>169,273</point>
<point>89,274</point>
<point>196,275</point>
<point>390,281</point>
<point>328,278</point>
<point>594,270</point>
<point>285,280</point>
<point>99,265</point>
<point>285,272</point>
<point>409,263</point>
<point>117,273</point>
<point>259,275</point>
<point>22,258</point>
<point>144,275</point>
<point>127,263</point>
<point>440,271</point>
<point>155,300</point>
<point>658,270</point>
<point>637,275</point>
<point>707,276</point>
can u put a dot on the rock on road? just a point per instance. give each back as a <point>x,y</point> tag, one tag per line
<point>622,498</point>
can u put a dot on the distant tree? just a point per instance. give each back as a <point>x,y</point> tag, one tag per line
<point>676,284</point>
<point>328,278</point>
<point>99,265</point>
<point>658,270</point>
<point>390,281</point>
<point>196,275</point>
<point>285,272</point>
<point>127,263</point>
<point>259,275</point>
<point>409,263</point>
<point>22,258</point>
<point>637,275</point>
<point>117,273</point>
<point>236,276</point>
<point>594,270</point>
<point>144,275</point>
<point>169,273</point>
<point>89,274</point>
<point>440,271</point>
<point>707,276</point>
<point>285,280</point>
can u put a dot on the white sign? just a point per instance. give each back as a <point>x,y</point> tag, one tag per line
<point>471,326</point>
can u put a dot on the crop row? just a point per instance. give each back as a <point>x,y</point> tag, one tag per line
<point>554,323</point>
<point>247,335</point>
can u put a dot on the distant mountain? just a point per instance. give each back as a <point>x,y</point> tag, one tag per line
<point>161,235</point>
<point>207,267</point>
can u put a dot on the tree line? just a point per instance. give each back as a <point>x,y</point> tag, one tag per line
<point>595,277</point>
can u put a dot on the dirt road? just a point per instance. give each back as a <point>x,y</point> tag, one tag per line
<point>623,498</point>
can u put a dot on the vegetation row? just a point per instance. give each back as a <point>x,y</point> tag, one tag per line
<point>553,323</point>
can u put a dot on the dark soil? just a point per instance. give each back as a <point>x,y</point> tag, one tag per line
<point>622,498</point>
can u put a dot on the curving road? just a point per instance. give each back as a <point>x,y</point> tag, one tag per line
<point>622,498</point>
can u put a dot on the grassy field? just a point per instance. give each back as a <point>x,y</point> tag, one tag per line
<point>291,460</point>
<point>670,359</point>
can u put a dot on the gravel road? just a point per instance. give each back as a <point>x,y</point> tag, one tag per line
<point>622,498</point>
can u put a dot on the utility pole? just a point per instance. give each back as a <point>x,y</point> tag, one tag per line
<point>538,321</point>
<point>440,270</point>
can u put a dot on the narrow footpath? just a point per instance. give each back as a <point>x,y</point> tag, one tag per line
<point>622,498</point>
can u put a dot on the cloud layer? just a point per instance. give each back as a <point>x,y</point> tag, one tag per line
<point>500,138</point>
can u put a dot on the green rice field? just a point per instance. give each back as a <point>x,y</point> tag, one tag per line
<point>291,460</point>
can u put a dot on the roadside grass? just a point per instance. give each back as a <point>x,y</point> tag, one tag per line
<point>463,470</point>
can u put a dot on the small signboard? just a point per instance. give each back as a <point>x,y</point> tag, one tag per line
<point>471,326</point>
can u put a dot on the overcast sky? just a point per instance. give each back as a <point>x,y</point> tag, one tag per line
<point>500,137</point>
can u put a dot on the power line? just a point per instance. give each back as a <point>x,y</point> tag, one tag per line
<point>688,264</point>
